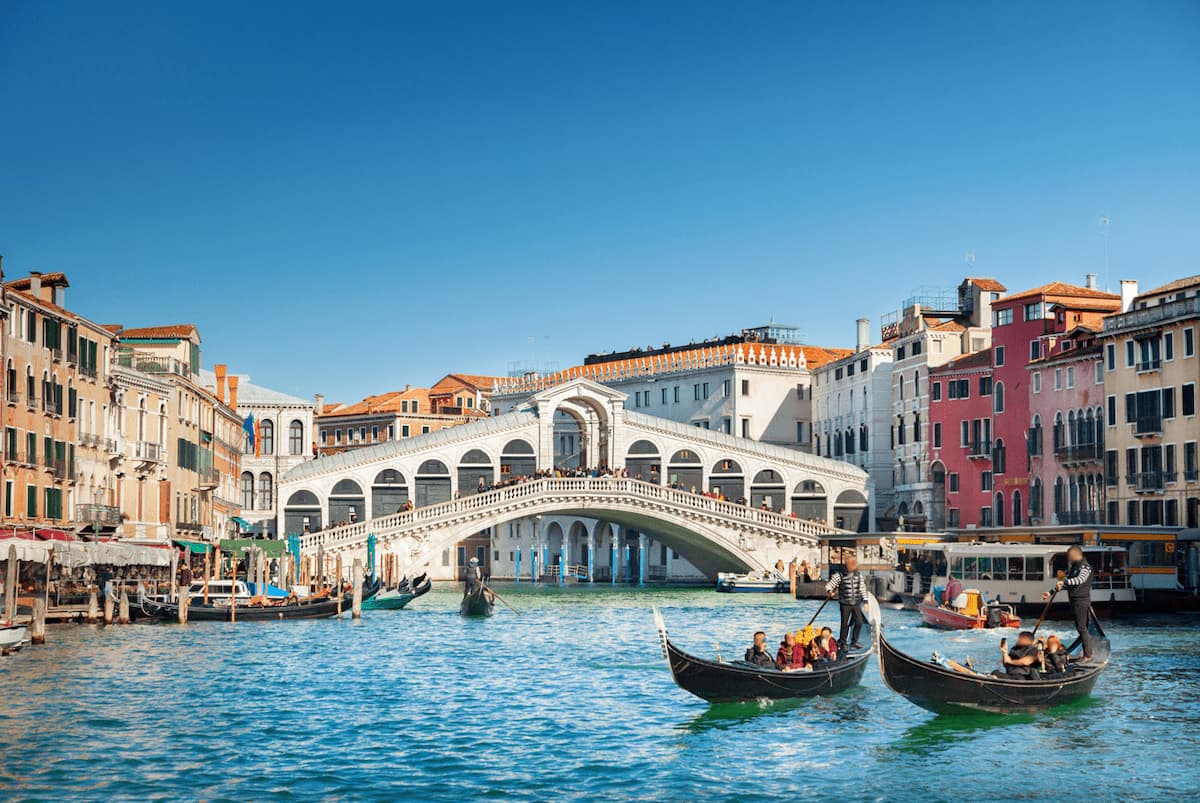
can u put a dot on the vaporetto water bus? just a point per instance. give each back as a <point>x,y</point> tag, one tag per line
<point>1012,574</point>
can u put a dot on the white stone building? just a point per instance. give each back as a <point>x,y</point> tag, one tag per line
<point>852,415</point>
<point>285,426</point>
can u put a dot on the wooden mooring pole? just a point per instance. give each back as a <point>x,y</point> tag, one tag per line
<point>37,628</point>
<point>357,579</point>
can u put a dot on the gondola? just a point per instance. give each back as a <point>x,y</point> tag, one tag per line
<point>400,596</point>
<point>304,608</point>
<point>477,601</point>
<point>723,682</point>
<point>946,690</point>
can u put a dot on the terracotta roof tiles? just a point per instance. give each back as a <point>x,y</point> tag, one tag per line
<point>1171,287</point>
<point>1065,291</point>
<point>181,331</point>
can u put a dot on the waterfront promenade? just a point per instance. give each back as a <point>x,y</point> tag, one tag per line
<point>568,700</point>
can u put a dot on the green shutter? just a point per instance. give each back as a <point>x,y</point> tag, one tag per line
<point>8,500</point>
<point>31,440</point>
<point>31,501</point>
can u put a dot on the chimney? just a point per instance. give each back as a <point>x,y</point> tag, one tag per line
<point>35,284</point>
<point>407,388</point>
<point>319,404</point>
<point>233,383</point>
<point>1129,290</point>
<point>219,370</point>
<point>1090,281</point>
<point>864,334</point>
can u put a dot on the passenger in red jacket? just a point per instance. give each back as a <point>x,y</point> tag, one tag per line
<point>827,645</point>
<point>790,655</point>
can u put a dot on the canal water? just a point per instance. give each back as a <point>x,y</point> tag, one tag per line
<point>570,699</point>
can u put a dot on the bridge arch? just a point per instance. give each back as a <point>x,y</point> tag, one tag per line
<point>476,472</point>
<point>643,460</point>
<point>727,479</point>
<point>347,502</point>
<point>685,470</point>
<point>518,458</point>
<point>809,501</point>
<point>432,483</point>
<point>768,489</point>
<point>389,493</point>
<point>850,511</point>
<point>302,512</point>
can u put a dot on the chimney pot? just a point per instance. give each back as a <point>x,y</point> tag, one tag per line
<point>864,334</point>
<point>1129,291</point>
<point>35,283</point>
<point>233,383</point>
<point>219,371</point>
<point>319,404</point>
<point>1090,281</point>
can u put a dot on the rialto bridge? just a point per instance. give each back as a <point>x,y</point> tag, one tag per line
<point>677,487</point>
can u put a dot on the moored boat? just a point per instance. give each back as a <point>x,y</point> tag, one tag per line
<point>13,638</point>
<point>952,688</point>
<point>721,681</point>
<point>314,606</point>
<point>768,582</point>
<point>396,598</point>
<point>976,614</point>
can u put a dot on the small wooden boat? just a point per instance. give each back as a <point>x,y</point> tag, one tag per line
<point>765,583</point>
<point>976,615</point>
<point>477,600</point>
<point>13,638</point>
<point>955,689</point>
<point>396,598</point>
<point>722,682</point>
<point>319,606</point>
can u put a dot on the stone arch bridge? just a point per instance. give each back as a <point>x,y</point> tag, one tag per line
<point>791,497</point>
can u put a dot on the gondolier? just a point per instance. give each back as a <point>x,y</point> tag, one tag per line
<point>851,589</point>
<point>1078,582</point>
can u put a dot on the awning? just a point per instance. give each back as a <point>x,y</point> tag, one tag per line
<point>113,553</point>
<point>28,551</point>
<point>272,549</point>
<point>198,547</point>
<point>239,521</point>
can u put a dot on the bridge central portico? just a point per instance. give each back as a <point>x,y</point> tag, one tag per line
<point>679,485</point>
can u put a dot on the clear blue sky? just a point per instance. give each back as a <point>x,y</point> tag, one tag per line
<point>348,197</point>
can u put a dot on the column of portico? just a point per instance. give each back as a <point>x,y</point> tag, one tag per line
<point>591,550</point>
<point>545,444</point>
<point>615,558</point>
<point>642,553</point>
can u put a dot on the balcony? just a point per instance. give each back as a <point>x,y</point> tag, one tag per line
<point>72,353</point>
<point>56,353</point>
<point>20,458</point>
<point>88,371</point>
<point>106,515</point>
<point>1148,426</point>
<point>1152,316</point>
<point>208,480</point>
<point>1148,366</point>
<point>147,451</point>
<point>13,397</point>
<point>1151,481</point>
<point>1080,517</point>
<point>59,468</point>
<point>1080,453</point>
<point>52,408</point>
<point>980,450</point>
<point>149,362</point>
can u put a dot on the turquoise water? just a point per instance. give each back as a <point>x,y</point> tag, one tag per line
<point>568,699</point>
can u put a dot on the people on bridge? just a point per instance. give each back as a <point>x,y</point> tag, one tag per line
<point>1078,582</point>
<point>850,586</point>
<point>758,655</point>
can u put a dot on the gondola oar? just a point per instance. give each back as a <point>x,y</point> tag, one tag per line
<point>818,613</point>
<point>502,599</point>
<point>1046,610</point>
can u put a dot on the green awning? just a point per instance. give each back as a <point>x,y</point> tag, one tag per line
<point>239,521</point>
<point>193,546</point>
<point>272,549</point>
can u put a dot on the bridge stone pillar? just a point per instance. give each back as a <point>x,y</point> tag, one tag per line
<point>545,446</point>
<point>591,549</point>
<point>615,559</point>
<point>643,542</point>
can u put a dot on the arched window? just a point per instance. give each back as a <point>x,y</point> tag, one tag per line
<point>1072,430</point>
<point>1060,436</point>
<point>1059,496</point>
<point>998,397</point>
<point>998,510</point>
<point>1035,437</point>
<point>999,457</point>
<point>266,495</point>
<point>247,491</point>
<point>1017,517</point>
<point>141,424</point>
<point>296,438</point>
<point>266,431</point>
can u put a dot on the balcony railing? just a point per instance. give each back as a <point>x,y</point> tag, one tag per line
<point>13,397</point>
<point>145,450</point>
<point>106,515</point>
<point>1152,316</point>
<point>980,450</point>
<point>1148,425</point>
<point>1146,366</point>
<point>60,470</point>
<point>31,401</point>
<point>1152,481</point>
<point>88,371</point>
<point>111,446</point>
<point>72,354</point>
<point>57,353</point>
<point>1080,453</point>
<point>1080,517</point>
<point>52,408</point>
<point>151,363</point>
<point>20,458</point>
<point>208,480</point>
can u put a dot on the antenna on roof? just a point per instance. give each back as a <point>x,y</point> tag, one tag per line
<point>1104,227</point>
<point>970,259</point>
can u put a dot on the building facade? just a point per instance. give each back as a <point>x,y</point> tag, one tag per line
<point>960,440</point>
<point>1151,371</point>
<point>852,413</point>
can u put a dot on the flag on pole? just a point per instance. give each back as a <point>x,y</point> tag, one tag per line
<point>258,438</point>
<point>248,426</point>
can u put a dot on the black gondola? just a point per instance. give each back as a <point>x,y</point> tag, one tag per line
<point>304,608</point>
<point>722,682</point>
<point>477,601</point>
<point>945,691</point>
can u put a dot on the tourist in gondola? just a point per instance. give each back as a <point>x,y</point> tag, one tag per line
<point>1078,582</point>
<point>758,654</point>
<point>826,644</point>
<point>791,654</point>
<point>1023,659</point>
<point>1054,657</point>
<point>851,589</point>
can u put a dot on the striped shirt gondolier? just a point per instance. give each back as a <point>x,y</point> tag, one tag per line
<point>852,592</point>
<point>1078,581</point>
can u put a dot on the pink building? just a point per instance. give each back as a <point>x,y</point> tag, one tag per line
<point>1066,434</point>
<point>1021,323</point>
<point>960,419</point>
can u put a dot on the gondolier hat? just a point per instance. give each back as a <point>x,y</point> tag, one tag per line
<point>474,561</point>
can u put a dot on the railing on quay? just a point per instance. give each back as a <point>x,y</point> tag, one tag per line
<point>620,487</point>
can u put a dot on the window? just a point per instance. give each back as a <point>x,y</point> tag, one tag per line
<point>1058,379</point>
<point>1034,312</point>
<point>745,427</point>
<point>1187,400</point>
<point>1110,357</point>
<point>935,391</point>
<point>696,392</point>
<point>998,398</point>
<point>952,482</point>
<point>1099,378</point>
<point>404,405</point>
<point>1189,342</point>
<point>745,387</point>
<point>900,353</point>
<point>837,374</point>
<point>937,436</point>
<point>952,515</point>
<point>1070,376</point>
<point>1189,462</point>
<point>664,395</point>
<point>1035,349</point>
<point>1129,353</point>
<point>337,436</point>
<point>296,438</point>
<point>1168,345</point>
<point>706,390</point>
<point>999,457</point>
<point>1036,381</point>
<point>362,434</point>
<point>1112,411</point>
<point>985,481</point>
<point>965,432</point>
<point>266,431</point>
<point>916,348</point>
<point>247,491</point>
<point>416,406</point>
<point>676,394</point>
<point>404,430</point>
<point>265,492</point>
<point>374,434</point>
<point>725,388</point>
<point>999,353</point>
<point>425,430</point>
<point>1002,317</point>
<point>1110,467</point>
<point>31,501</point>
<point>985,386</point>
<point>391,432</point>
<point>850,369</point>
